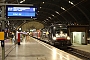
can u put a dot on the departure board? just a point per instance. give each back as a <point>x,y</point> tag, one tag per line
<point>21,11</point>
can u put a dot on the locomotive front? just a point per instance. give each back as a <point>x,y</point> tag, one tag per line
<point>59,35</point>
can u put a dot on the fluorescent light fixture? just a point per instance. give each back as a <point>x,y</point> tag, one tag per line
<point>63,8</point>
<point>57,12</point>
<point>71,3</point>
<point>52,15</point>
<point>49,17</point>
<point>21,1</point>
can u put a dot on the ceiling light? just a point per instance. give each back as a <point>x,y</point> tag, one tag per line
<point>43,2</point>
<point>60,26</point>
<point>71,3</point>
<point>46,19</point>
<point>63,8</point>
<point>57,12</point>
<point>40,7</point>
<point>21,1</point>
<point>52,15</point>
<point>49,17</point>
<point>38,11</point>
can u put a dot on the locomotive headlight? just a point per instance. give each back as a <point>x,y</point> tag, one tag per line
<point>68,38</point>
<point>54,38</point>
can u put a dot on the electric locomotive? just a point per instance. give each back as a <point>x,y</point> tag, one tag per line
<point>57,35</point>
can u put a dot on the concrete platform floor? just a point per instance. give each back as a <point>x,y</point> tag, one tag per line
<point>85,48</point>
<point>34,49</point>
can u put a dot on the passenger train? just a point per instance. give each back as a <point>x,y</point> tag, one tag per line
<point>55,35</point>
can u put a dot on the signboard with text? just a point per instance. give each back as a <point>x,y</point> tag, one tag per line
<point>20,11</point>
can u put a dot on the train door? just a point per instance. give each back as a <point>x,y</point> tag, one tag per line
<point>78,38</point>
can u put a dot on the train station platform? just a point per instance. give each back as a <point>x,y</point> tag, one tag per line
<point>34,49</point>
<point>82,49</point>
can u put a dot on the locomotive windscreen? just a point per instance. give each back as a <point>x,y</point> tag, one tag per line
<point>58,29</point>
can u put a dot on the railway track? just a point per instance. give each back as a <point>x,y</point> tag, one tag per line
<point>80,54</point>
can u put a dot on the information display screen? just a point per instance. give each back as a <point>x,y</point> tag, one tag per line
<point>20,11</point>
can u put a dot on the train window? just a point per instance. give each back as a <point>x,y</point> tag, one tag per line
<point>58,29</point>
<point>64,30</point>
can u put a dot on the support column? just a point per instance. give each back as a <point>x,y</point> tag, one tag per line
<point>3,28</point>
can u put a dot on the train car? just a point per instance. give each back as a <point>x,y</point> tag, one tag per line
<point>56,35</point>
<point>36,34</point>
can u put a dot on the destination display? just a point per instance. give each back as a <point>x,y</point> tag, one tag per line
<point>20,11</point>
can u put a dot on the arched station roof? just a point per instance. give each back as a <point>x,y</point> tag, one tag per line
<point>58,11</point>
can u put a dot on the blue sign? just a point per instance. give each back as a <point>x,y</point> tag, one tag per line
<point>17,11</point>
